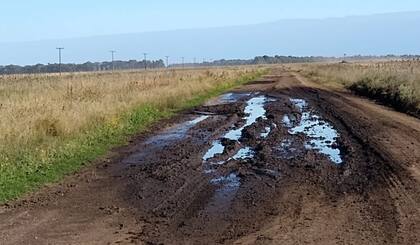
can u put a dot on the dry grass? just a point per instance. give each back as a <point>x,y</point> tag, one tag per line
<point>50,125</point>
<point>396,83</point>
<point>35,108</point>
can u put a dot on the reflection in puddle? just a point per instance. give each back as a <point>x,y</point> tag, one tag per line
<point>176,132</point>
<point>197,120</point>
<point>165,138</point>
<point>230,181</point>
<point>286,121</point>
<point>232,97</point>
<point>244,153</point>
<point>216,148</point>
<point>266,132</point>
<point>228,98</point>
<point>253,110</point>
<point>322,135</point>
<point>301,104</point>
<point>228,185</point>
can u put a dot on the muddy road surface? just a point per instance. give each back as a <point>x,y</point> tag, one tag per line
<point>278,161</point>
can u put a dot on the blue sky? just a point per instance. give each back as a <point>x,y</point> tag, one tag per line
<point>48,19</point>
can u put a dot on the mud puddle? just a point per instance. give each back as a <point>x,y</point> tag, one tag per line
<point>254,109</point>
<point>228,98</point>
<point>243,153</point>
<point>322,136</point>
<point>224,194</point>
<point>176,132</point>
<point>218,155</point>
<point>165,138</point>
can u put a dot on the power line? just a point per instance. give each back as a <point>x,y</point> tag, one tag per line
<point>167,61</point>
<point>59,59</point>
<point>112,58</point>
<point>145,60</point>
<point>183,62</point>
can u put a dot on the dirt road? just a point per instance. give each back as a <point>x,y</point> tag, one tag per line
<point>278,161</point>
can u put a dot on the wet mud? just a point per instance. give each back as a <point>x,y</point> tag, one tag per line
<point>269,163</point>
<point>249,147</point>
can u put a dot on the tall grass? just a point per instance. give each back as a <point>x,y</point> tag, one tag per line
<point>396,83</point>
<point>50,125</point>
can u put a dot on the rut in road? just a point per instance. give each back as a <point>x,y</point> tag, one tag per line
<point>276,161</point>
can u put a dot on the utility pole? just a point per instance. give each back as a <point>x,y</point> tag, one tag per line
<point>145,60</point>
<point>112,59</point>
<point>59,59</point>
<point>183,62</point>
<point>167,61</point>
<point>195,61</point>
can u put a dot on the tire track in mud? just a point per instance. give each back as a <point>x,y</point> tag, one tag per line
<point>241,172</point>
<point>273,162</point>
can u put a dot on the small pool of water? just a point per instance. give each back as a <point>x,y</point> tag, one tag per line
<point>322,135</point>
<point>166,137</point>
<point>176,132</point>
<point>230,181</point>
<point>286,121</point>
<point>244,153</point>
<point>232,97</point>
<point>228,98</point>
<point>254,109</point>
<point>300,103</point>
<point>216,148</point>
<point>267,131</point>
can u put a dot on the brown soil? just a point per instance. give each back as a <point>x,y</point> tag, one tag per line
<point>158,189</point>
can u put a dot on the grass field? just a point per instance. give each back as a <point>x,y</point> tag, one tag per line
<point>51,125</point>
<point>396,83</point>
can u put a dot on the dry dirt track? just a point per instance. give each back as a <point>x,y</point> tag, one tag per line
<point>166,188</point>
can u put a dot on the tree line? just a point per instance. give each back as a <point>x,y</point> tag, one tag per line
<point>88,66</point>
<point>154,64</point>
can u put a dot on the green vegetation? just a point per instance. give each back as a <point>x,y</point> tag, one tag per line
<point>55,149</point>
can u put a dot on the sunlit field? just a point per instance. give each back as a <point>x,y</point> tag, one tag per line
<point>396,83</point>
<point>50,119</point>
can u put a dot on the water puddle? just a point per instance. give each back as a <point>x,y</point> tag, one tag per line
<point>176,132</point>
<point>232,97</point>
<point>267,131</point>
<point>216,148</point>
<point>286,121</point>
<point>301,104</point>
<point>228,98</point>
<point>322,135</point>
<point>228,185</point>
<point>165,138</point>
<point>254,109</point>
<point>244,153</point>
<point>227,182</point>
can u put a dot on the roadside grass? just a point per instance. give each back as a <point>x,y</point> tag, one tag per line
<point>394,83</point>
<point>47,146</point>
